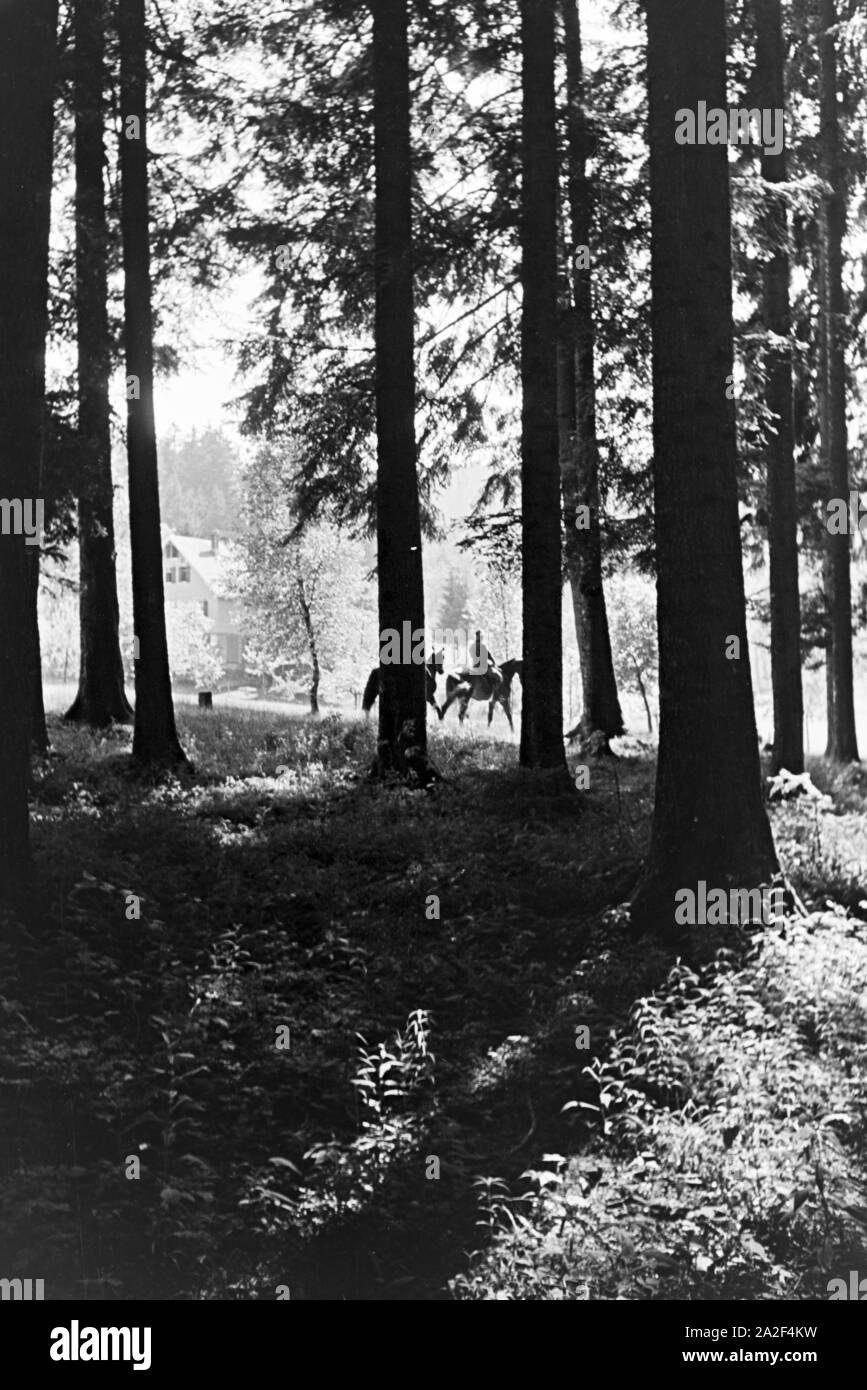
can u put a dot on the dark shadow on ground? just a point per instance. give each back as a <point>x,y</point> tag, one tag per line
<point>185,925</point>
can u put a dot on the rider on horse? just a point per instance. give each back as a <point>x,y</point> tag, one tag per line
<point>480,662</point>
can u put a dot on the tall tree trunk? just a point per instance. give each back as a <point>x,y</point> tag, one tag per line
<point>579,462</point>
<point>28,30</point>
<point>402,711</point>
<point>542,716</point>
<point>33,659</point>
<point>38,729</point>
<point>842,739</point>
<point>155,739</point>
<point>307,618</point>
<point>101,696</point>
<point>643,693</point>
<point>782,490</point>
<point>709,821</point>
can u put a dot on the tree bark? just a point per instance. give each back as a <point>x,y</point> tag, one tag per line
<point>101,697</point>
<point>155,739</point>
<point>643,693</point>
<point>402,712</point>
<point>542,710</point>
<point>782,488</point>
<point>709,820</point>
<point>38,728</point>
<point>579,450</point>
<point>311,642</point>
<point>842,739</point>
<point>28,35</point>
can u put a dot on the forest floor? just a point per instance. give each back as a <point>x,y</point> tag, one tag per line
<point>281,1032</point>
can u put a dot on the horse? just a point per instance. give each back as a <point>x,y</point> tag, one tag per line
<point>433,668</point>
<point>509,670</point>
<point>467,683</point>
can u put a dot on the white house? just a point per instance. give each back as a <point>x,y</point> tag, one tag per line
<point>197,570</point>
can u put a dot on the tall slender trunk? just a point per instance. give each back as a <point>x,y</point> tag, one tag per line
<point>155,739</point>
<point>38,728</point>
<point>643,693</point>
<point>709,820</point>
<point>579,460</point>
<point>28,34</point>
<point>542,716</point>
<point>782,489</point>
<point>402,711</point>
<point>842,739</point>
<point>101,696</point>
<point>33,660</point>
<point>307,618</point>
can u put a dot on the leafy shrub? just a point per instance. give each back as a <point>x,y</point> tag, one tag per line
<point>729,1156</point>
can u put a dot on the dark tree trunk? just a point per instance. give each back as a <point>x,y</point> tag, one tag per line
<point>782,491</point>
<point>101,696</point>
<point>33,660</point>
<point>709,820</point>
<point>643,693</point>
<point>402,722</point>
<point>155,739</point>
<point>579,454</point>
<point>842,739</point>
<point>28,31</point>
<point>542,710</point>
<point>311,642</point>
<point>38,730</point>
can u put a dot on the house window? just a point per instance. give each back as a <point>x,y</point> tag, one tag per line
<point>170,576</point>
<point>170,552</point>
<point>205,607</point>
<point>233,650</point>
<point>184,574</point>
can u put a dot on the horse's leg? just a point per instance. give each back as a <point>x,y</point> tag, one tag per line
<point>507,706</point>
<point>465,704</point>
<point>448,703</point>
<point>493,701</point>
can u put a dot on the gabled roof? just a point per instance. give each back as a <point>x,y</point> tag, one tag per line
<point>198,553</point>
